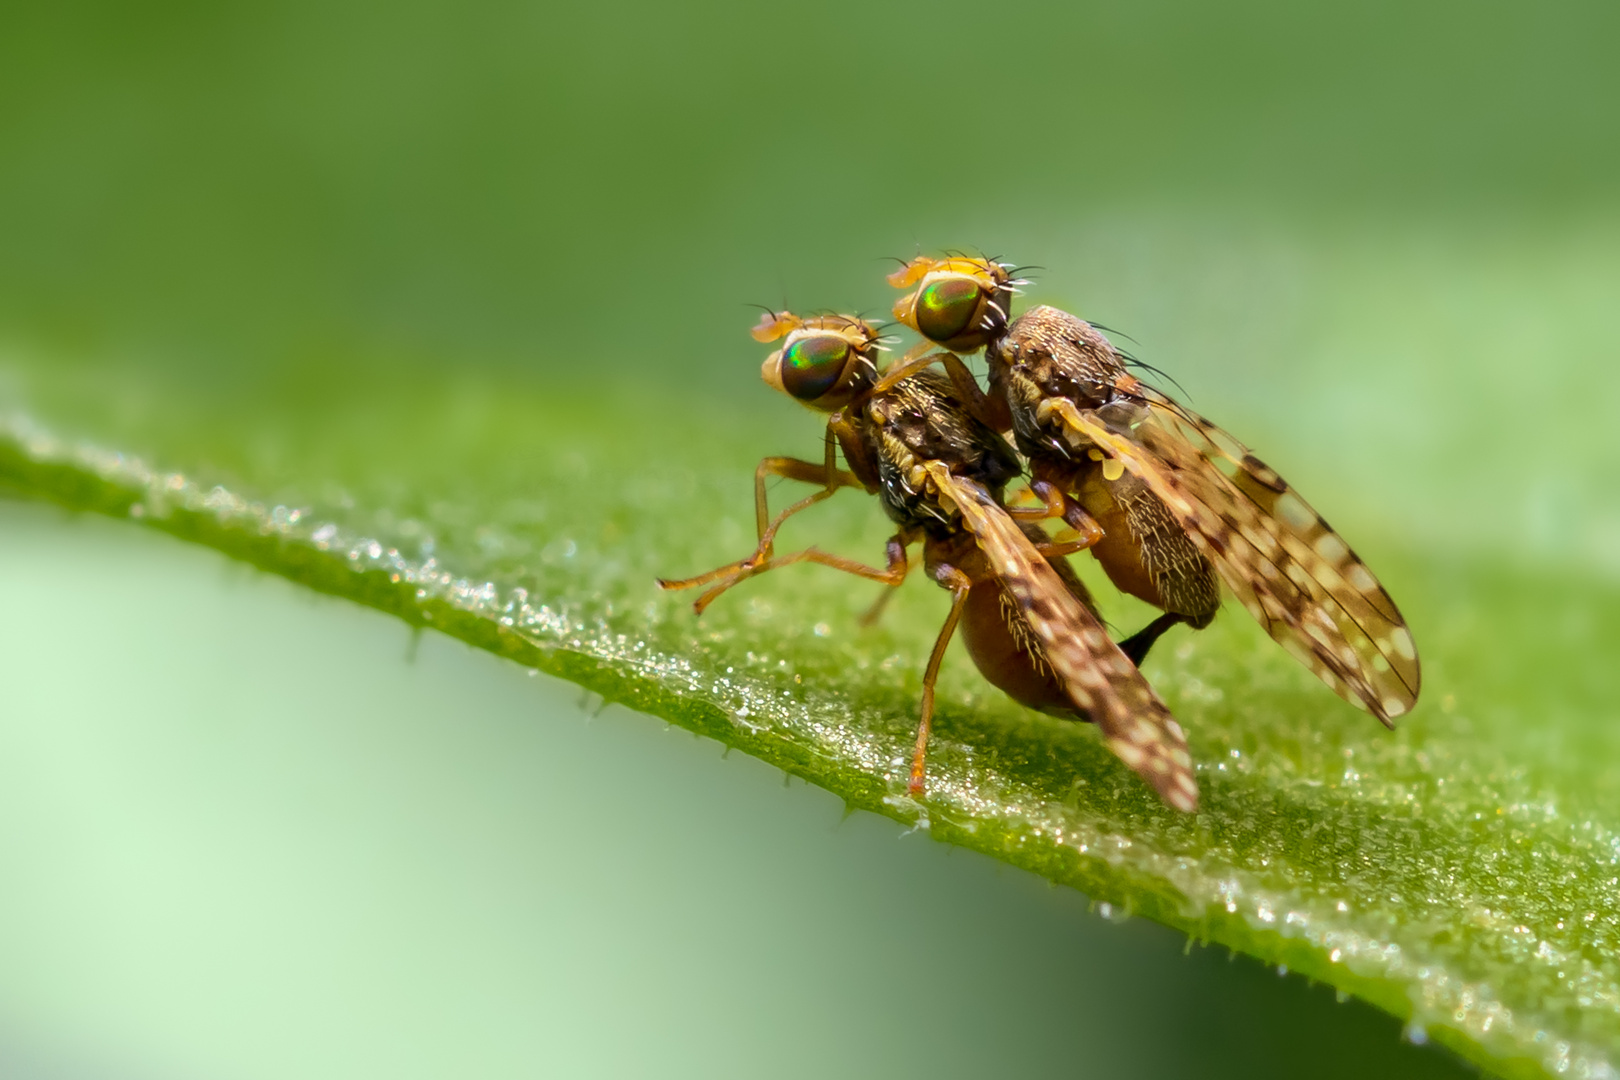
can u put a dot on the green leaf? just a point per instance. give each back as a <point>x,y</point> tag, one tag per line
<point>1459,872</point>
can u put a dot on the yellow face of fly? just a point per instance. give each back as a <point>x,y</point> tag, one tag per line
<point>959,303</point>
<point>825,361</point>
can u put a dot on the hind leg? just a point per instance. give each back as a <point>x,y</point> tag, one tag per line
<point>1137,645</point>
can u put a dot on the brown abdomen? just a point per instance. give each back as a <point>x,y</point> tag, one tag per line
<point>1145,552</point>
<point>1005,649</point>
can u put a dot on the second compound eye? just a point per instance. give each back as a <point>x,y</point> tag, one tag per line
<point>812,365</point>
<point>946,308</point>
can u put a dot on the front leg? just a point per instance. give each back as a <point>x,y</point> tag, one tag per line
<point>892,574</point>
<point>827,474</point>
<point>993,412</point>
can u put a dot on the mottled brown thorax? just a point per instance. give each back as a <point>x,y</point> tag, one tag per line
<point>1047,353</point>
<point>921,419</point>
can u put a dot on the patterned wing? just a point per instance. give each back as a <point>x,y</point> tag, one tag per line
<point>1296,576</point>
<point>1099,678</point>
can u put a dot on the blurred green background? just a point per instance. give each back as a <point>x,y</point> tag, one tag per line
<point>1381,238</point>
<point>1379,242</point>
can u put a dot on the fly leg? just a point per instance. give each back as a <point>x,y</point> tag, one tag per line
<point>893,574</point>
<point>1137,645</point>
<point>1056,503</point>
<point>1143,550</point>
<point>959,584</point>
<point>916,358</point>
<point>993,412</point>
<point>827,474</point>
<point>875,612</point>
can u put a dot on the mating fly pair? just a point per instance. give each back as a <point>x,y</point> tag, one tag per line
<point>1168,503</point>
<point>915,438</point>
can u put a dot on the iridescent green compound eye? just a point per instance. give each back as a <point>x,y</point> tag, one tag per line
<point>945,308</point>
<point>811,366</point>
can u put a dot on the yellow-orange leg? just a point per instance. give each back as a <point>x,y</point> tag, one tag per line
<point>993,412</point>
<point>1054,548</point>
<point>893,574</point>
<point>1055,503</point>
<point>989,411</point>
<point>915,359</point>
<point>875,612</point>
<point>959,584</point>
<point>826,473</point>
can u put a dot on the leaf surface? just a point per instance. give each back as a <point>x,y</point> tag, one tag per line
<point>1459,872</point>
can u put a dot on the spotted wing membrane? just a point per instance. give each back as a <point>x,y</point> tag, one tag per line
<point>1285,564</point>
<point>1100,679</point>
